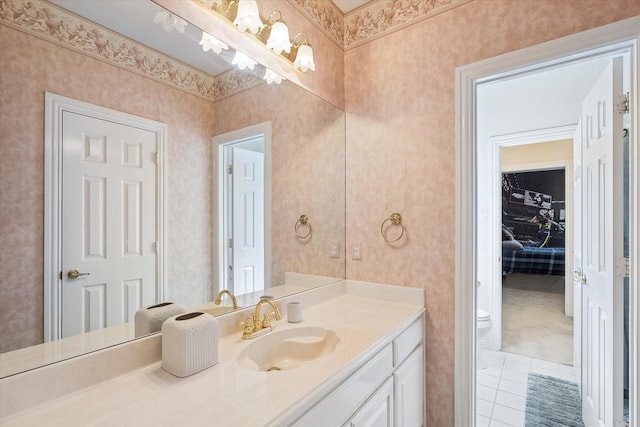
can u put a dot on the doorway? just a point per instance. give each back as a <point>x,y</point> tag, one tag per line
<point>471,218</point>
<point>534,220</point>
<point>242,160</point>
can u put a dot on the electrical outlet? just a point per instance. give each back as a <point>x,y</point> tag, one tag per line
<point>357,251</point>
<point>334,252</point>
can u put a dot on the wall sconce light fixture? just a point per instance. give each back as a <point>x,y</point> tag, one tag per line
<point>248,17</point>
<point>243,61</point>
<point>170,21</point>
<point>272,33</point>
<point>209,42</point>
<point>304,55</point>
<point>272,77</point>
<point>278,38</point>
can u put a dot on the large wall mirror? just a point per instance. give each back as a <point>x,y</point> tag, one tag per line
<point>98,53</point>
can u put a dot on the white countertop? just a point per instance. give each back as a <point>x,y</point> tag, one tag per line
<point>228,394</point>
<point>35,356</point>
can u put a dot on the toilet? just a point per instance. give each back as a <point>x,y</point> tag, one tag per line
<point>483,324</point>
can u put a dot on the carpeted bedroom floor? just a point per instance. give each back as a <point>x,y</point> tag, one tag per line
<point>533,320</point>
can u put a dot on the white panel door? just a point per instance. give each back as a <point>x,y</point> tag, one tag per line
<point>577,254</point>
<point>108,222</point>
<point>248,221</point>
<point>602,244</point>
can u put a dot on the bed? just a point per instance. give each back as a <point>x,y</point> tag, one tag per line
<point>533,260</point>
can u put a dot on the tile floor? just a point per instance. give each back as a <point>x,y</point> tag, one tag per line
<point>502,387</point>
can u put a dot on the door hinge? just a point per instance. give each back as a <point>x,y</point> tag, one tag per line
<point>230,169</point>
<point>156,247</point>
<point>623,105</point>
<point>230,243</point>
<point>623,267</point>
<point>156,158</point>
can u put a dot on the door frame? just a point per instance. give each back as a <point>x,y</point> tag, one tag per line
<point>514,140</point>
<point>612,38</point>
<point>55,105</point>
<point>219,181</point>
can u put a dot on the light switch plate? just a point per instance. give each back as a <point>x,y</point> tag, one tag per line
<point>357,251</point>
<point>334,251</point>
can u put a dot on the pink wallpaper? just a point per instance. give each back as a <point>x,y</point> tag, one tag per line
<point>28,68</point>
<point>308,172</point>
<point>399,96</point>
<point>400,100</point>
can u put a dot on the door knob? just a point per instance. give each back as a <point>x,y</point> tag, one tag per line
<point>578,276</point>
<point>74,274</point>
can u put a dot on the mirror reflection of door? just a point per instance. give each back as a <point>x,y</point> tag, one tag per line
<point>244,213</point>
<point>103,221</point>
<point>108,223</point>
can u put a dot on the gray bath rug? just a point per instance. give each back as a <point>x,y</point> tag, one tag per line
<point>552,402</point>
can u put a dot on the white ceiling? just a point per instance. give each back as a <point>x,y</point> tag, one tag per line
<point>542,100</point>
<point>348,5</point>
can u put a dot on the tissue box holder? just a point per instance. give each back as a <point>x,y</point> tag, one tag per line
<point>150,319</point>
<point>189,343</point>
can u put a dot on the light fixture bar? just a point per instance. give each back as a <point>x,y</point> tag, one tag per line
<point>272,34</point>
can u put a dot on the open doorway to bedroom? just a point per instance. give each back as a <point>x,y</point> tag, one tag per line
<point>534,222</point>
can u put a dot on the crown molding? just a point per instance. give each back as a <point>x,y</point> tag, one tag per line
<point>324,15</point>
<point>235,81</point>
<point>379,18</point>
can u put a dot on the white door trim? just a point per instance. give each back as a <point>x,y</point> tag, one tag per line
<point>55,105</point>
<point>617,37</point>
<point>261,129</point>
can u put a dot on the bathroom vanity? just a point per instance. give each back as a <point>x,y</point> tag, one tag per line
<point>366,365</point>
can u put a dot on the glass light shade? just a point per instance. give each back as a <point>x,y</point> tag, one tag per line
<point>243,61</point>
<point>210,42</point>
<point>170,21</point>
<point>248,17</point>
<point>272,77</point>
<point>304,59</point>
<point>279,38</point>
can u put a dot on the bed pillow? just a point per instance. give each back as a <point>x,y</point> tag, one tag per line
<point>511,245</point>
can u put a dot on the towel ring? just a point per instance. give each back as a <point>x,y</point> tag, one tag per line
<point>303,220</point>
<point>394,219</point>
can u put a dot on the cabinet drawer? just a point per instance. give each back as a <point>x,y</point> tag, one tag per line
<point>338,406</point>
<point>404,344</point>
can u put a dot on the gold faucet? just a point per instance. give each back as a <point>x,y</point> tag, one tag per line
<point>254,327</point>
<point>218,300</point>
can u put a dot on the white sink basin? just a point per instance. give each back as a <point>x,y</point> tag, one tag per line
<point>288,349</point>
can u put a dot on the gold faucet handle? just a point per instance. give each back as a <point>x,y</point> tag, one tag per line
<point>249,324</point>
<point>265,320</point>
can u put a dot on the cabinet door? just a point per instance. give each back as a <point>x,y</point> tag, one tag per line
<point>409,382</point>
<point>378,410</point>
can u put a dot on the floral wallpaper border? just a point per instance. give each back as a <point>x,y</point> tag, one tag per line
<point>371,20</point>
<point>325,15</point>
<point>234,81</point>
<point>54,24</point>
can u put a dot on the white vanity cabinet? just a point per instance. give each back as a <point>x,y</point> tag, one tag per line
<point>408,385</point>
<point>378,411</point>
<point>388,390</point>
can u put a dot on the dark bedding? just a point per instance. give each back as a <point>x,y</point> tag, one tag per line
<point>533,260</point>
